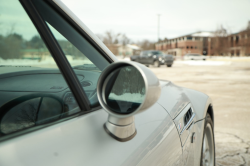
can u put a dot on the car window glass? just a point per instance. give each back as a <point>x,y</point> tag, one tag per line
<point>82,56</point>
<point>33,90</point>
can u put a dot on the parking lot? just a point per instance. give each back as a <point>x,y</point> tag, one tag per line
<point>228,84</point>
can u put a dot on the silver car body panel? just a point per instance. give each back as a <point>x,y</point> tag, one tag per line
<point>174,99</point>
<point>83,141</point>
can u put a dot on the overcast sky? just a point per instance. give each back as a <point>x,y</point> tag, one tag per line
<point>138,18</point>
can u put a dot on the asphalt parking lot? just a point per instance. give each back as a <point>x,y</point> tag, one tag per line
<point>228,84</point>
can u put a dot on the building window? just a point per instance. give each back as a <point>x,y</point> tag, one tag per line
<point>195,47</point>
<point>237,40</point>
<point>238,52</point>
<point>232,53</point>
<point>232,42</point>
<point>191,47</point>
<point>189,38</point>
<point>187,47</point>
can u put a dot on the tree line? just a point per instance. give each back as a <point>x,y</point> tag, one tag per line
<point>110,38</point>
<point>12,46</point>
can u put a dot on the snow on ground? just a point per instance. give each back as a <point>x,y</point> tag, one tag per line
<point>193,63</point>
<point>203,63</point>
<point>212,61</point>
<point>228,57</point>
<point>46,62</point>
<point>124,59</point>
<point>127,97</point>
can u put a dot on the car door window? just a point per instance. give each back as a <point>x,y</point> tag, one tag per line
<point>82,56</point>
<point>33,91</point>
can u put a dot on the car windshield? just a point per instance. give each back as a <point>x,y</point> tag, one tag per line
<point>156,53</point>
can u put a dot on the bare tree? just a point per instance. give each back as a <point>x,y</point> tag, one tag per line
<point>146,45</point>
<point>219,43</point>
<point>109,37</point>
<point>245,41</point>
<point>112,40</point>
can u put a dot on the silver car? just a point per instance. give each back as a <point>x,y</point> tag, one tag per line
<point>65,99</point>
<point>193,56</point>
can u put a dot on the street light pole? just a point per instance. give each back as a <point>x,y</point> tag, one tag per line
<point>158,26</point>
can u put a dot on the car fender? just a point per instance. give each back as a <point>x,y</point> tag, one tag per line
<point>173,95</point>
<point>175,98</point>
<point>201,105</point>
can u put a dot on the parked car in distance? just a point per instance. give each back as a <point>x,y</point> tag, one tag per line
<point>155,58</point>
<point>195,57</point>
<point>134,57</point>
<point>168,59</point>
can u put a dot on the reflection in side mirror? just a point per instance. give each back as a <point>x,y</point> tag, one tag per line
<point>127,92</point>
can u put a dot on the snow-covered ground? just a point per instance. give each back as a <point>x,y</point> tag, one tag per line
<point>48,62</point>
<point>203,63</point>
<point>123,59</point>
<point>211,61</point>
<point>228,57</point>
<point>137,98</point>
<point>193,63</point>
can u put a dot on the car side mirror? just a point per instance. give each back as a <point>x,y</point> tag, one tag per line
<point>124,89</point>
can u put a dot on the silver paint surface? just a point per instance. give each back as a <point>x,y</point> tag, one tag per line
<point>83,141</point>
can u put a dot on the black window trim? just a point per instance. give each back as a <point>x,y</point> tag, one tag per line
<point>58,55</point>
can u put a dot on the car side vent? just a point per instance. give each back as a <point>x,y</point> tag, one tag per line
<point>85,83</point>
<point>188,116</point>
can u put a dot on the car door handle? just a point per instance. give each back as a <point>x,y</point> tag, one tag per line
<point>186,127</point>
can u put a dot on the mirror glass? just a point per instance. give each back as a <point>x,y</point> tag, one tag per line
<point>125,90</point>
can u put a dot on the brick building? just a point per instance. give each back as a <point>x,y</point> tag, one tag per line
<point>208,43</point>
<point>191,43</point>
<point>239,43</point>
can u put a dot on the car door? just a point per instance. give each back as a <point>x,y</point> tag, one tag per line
<point>61,119</point>
<point>149,58</point>
<point>144,57</point>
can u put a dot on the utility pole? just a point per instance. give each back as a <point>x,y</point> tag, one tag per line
<point>158,26</point>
